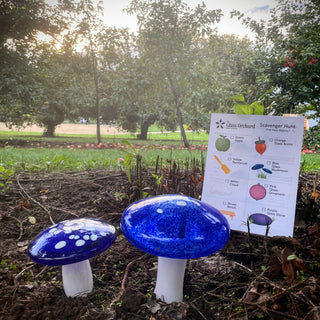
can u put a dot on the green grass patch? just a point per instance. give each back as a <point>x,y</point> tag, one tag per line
<point>36,159</point>
<point>310,163</point>
<point>160,138</point>
<point>57,160</point>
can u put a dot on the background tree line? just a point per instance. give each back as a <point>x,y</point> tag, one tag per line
<point>175,71</point>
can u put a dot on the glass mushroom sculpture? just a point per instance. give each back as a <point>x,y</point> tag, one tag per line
<point>70,244</point>
<point>174,228</point>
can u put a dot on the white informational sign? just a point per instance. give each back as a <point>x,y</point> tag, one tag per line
<point>252,171</point>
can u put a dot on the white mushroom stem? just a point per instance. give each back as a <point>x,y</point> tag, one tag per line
<point>169,286</point>
<point>77,279</point>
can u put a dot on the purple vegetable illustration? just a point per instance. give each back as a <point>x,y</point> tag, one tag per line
<point>260,219</point>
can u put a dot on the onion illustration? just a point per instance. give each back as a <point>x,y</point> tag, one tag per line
<point>257,191</point>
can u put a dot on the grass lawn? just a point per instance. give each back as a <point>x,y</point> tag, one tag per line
<point>60,158</point>
<point>154,137</point>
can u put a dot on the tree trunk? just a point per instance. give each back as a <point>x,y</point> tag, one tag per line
<point>182,131</point>
<point>49,129</point>
<point>53,117</point>
<point>97,98</point>
<point>143,135</point>
<point>178,109</point>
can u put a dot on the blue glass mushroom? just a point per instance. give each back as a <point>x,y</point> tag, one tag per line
<point>174,228</point>
<point>70,244</point>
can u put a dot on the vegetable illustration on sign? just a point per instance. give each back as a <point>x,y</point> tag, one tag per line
<point>260,219</point>
<point>222,143</point>
<point>261,146</point>
<point>257,191</point>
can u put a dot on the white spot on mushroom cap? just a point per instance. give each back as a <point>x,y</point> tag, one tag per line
<point>67,230</point>
<point>60,245</point>
<point>159,210</point>
<point>86,237</point>
<point>181,203</point>
<point>103,233</point>
<point>80,243</point>
<point>94,237</point>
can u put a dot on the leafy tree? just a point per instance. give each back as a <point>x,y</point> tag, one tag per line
<point>141,96</point>
<point>292,39</point>
<point>227,66</point>
<point>169,32</point>
<point>20,23</point>
<point>60,95</point>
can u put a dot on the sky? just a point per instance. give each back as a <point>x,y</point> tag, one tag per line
<point>257,9</point>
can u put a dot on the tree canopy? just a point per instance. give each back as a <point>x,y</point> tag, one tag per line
<point>174,71</point>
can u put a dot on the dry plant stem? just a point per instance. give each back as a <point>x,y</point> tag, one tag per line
<point>41,272</point>
<point>265,240</point>
<point>65,211</point>
<point>22,271</point>
<point>127,271</point>
<point>35,201</point>
<point>249,235</point>
<point>200,313</point>
<point>20,227</point>
<point>125,275</point>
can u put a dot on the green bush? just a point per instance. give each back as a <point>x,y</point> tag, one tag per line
<point>311,140</point>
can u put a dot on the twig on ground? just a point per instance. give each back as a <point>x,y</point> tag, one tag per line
<point>35,201</point>
<point>65,211</point>
<point>122,289</point>
<point>199,312</point>
<point>23,270</point>
<point>41,272</point>
<point>20,226</point>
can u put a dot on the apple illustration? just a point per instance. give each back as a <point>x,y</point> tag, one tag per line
<point>222,143</point>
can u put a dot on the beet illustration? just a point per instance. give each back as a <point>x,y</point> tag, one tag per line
<point>257,191</point>
<point>260,219</point>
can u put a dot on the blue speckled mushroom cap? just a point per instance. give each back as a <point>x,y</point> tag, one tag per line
<point>175,226</point>
<point>71,241</point>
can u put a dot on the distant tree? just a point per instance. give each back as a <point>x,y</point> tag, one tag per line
<point>58,83</point>
<point>141,97</point>
<point>169,32</point>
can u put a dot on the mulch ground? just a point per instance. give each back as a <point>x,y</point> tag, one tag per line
<point>252,277</point>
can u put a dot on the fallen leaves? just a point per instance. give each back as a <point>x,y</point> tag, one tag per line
<point>291,265</point>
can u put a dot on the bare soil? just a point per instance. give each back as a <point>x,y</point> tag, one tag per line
<point>252,277</point>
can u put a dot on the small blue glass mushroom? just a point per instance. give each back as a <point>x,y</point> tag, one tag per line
<point>174,228</point>
<point>70,244</point>
<point>267,170</point>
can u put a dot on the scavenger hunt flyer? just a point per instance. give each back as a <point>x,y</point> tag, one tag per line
<point>252,171</point>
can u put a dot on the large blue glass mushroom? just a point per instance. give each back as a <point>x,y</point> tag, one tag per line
<point>174,228</point>
<point>70,244</point>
